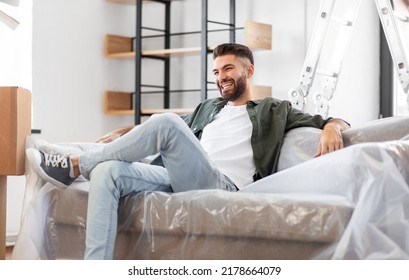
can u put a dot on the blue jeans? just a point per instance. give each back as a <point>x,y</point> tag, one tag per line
<point>114,172</point>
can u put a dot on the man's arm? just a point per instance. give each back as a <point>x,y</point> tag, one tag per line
<point>115,134</point>
<point>331,137</point>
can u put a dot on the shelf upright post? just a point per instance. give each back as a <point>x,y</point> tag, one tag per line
<point>167,59</point>
<point>232,31</point>
<point>138,62</point>
<point>204,51</point>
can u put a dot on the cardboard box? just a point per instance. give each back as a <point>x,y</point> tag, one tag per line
<point>15,126</point>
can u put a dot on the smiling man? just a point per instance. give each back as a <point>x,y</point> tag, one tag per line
<point>226,143</point>
<point>232,75</point>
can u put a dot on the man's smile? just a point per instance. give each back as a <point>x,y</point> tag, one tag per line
<point>228,85</point>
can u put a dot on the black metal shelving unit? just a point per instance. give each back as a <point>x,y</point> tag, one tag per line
<point>166,34</point>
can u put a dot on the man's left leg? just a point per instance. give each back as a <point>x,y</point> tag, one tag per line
<point>111,181</point>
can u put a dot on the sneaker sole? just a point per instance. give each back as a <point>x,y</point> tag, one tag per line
<point>34,158</point>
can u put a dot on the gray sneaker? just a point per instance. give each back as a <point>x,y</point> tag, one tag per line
<point>51,167</point>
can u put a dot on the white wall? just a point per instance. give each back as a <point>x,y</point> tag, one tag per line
<point>16,46</point>
<point>70,72</point>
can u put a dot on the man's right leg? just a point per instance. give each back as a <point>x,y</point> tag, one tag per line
<point>187,168</point>
<point>110,181</point>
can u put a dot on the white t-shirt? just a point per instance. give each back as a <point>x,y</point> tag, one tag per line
<point>227,141</point>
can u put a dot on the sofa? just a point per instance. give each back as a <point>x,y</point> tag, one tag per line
<point>321,208</point>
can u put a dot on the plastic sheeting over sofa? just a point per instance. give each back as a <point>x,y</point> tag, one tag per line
<point>350,204</point>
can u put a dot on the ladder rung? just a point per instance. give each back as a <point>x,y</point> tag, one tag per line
<point>327,73</point>
<point>401,16</point>
<point>342,21</point>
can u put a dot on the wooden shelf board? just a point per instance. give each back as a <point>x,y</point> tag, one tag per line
<point>260,92</point>
<point>117,101</point>
<point>258,36</point>
<point>159,53</point>
<point>172,52</point>
<point>115,45</point>
<point>128,2</point>
<point>121,55</point>
<point>119,112</point>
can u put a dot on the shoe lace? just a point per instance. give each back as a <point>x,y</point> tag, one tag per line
<point>56,160</point>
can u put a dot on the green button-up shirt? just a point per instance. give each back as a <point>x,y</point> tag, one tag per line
<point>271,119</point>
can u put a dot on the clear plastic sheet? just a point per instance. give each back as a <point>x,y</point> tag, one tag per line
<point>351,204</point>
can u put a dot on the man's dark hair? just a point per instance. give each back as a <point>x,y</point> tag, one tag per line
<point>233,49</point>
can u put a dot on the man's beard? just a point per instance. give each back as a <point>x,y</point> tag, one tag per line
<point>239,88</point>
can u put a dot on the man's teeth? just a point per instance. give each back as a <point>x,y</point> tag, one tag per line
<point>226,85</point>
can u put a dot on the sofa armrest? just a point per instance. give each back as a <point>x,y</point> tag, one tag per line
<point>300,144</point>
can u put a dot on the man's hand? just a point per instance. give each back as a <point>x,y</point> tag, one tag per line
<point>115,134</point>
<point>331,137</point>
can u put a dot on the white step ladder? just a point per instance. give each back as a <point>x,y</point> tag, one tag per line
<point>330,39</point>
